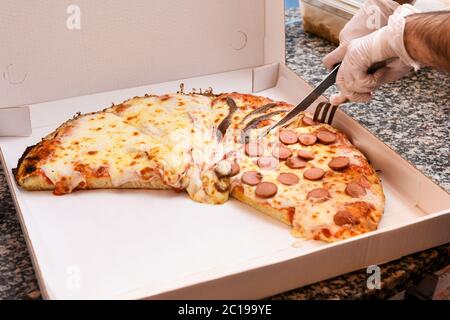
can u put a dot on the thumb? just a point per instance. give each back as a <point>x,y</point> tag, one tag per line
<point>396,70</point>
<point>359,97</point>
<point>340,98</point>
<point>336,56</point>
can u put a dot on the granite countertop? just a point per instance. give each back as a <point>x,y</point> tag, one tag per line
<point>411,116</point>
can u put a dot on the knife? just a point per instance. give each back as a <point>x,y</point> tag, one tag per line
<point>329,80</point>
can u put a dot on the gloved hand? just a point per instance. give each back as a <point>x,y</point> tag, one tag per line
<point>371,16</point>
<point>353,80</point>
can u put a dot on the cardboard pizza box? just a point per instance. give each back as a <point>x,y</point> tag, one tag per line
<point>138,244</point>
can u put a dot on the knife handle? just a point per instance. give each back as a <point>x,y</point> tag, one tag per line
<point>378,65</point>
<point>374,67</point>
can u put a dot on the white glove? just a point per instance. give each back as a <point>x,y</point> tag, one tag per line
<point>353,80</point>
<point>372,15</point>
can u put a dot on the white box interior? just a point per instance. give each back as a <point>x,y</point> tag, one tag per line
<point>160,244</point>
<point>124,44</point>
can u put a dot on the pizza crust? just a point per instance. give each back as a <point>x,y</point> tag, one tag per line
<point>284,215</point>
<point>39,183</point>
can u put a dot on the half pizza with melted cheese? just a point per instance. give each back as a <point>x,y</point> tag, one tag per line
<point>307,175</point>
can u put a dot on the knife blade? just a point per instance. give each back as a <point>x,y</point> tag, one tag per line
<point>327,82</point>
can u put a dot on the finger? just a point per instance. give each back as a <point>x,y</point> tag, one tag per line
<point>341,97</point>
<point>337,99</point>
<point>334,57</point>
<point>344,79</point>
<point>365,83</point>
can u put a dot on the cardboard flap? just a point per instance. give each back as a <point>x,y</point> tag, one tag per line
<point>54,50</point>
<point>15,122</point>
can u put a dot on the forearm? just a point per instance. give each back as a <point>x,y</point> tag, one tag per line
<point>427,39</point>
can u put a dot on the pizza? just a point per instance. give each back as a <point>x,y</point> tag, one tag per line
<point>307,175</point>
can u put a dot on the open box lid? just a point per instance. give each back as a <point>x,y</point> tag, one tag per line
<point>55,50</point>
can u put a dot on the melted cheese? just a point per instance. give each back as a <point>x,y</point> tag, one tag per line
<point>184,128</point>
<point>174,136</point>
<point>97,141</point>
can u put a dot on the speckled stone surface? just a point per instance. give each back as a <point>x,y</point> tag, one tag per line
<point>17,279</point>
<point>411,116</point>
<point>395,276</point>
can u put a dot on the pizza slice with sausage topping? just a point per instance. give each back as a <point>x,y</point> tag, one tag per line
<point>312,178</point>
<point>308,175</point>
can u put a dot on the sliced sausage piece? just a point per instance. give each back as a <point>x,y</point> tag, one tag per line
<point>254,149</point>
<point>281,152</point>
<point>319,194</point>
<point>343,217</point>
<point>288,137</point>
<point>355,190</point>
<point>235,168</point>
<point>295,162</point>
<point>267,163</point>
<point>339,163</point>
<point>307,139</point>
<point>307,121</point>
<point>326,137</point>
<point>313,174</point>
<point>266,190</point>
<point>362,180</point>
<point>305,154</point>
<point>288,179</point>
<point>222,186</point>
<point>252,178</point>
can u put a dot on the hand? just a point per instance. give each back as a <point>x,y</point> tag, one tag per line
<point>353,80</point>
<point>371,16</point>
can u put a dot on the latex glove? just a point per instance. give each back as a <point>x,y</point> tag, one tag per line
<point>370,17</point>
<point>353,80</point>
